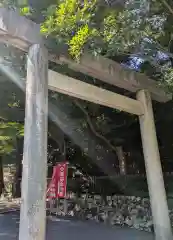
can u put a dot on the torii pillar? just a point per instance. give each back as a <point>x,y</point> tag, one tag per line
<point>34,176</point>
<point>159,206</point>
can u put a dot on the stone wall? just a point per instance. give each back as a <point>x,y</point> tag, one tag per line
<point>129,211</point>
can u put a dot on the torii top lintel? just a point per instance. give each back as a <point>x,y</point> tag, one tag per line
<point>22,33</point>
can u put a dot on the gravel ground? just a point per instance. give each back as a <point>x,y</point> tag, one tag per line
<point>65,229</point>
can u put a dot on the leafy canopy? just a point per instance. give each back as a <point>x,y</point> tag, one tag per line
<point>130,28</point>
<point>136,29</point>
<point>101,28</point>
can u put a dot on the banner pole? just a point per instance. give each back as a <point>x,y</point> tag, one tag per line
<point>65,198</point>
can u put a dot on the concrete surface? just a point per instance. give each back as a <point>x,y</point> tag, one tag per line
<point>65,229</point>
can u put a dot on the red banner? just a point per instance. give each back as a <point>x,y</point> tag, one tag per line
<point>62,180</point>
<point>58,185</point>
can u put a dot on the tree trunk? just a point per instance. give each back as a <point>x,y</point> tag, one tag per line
<point>122,160</point>
<point>16,192</point>
<point>1,177</point>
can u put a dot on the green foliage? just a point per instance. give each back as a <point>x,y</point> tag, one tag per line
<point>8,133</point>
<point>21,5</point>
<point>83,24</point>
<point>139,28</point>
<point>77,42</point>
<point>25,11</point>
<point>110,30</point>
<point>69,22</point>
<point>168,78</point>
<point>9,3</point>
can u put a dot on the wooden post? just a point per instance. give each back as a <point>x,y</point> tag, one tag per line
<point>154,173</point>
<point>33,202</point>
<point>65,207</point>
<point>122,160</point>
<point>57,206</point>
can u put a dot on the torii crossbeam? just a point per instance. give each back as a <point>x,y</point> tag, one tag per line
<point>25,34</point>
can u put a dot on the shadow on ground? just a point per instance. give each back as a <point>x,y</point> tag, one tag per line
<point>65,229</point>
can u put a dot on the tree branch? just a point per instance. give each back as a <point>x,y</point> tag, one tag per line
<point>77,103</point>
<point>167,5</point>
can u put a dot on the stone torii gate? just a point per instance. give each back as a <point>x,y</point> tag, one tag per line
<point>25,35</point>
